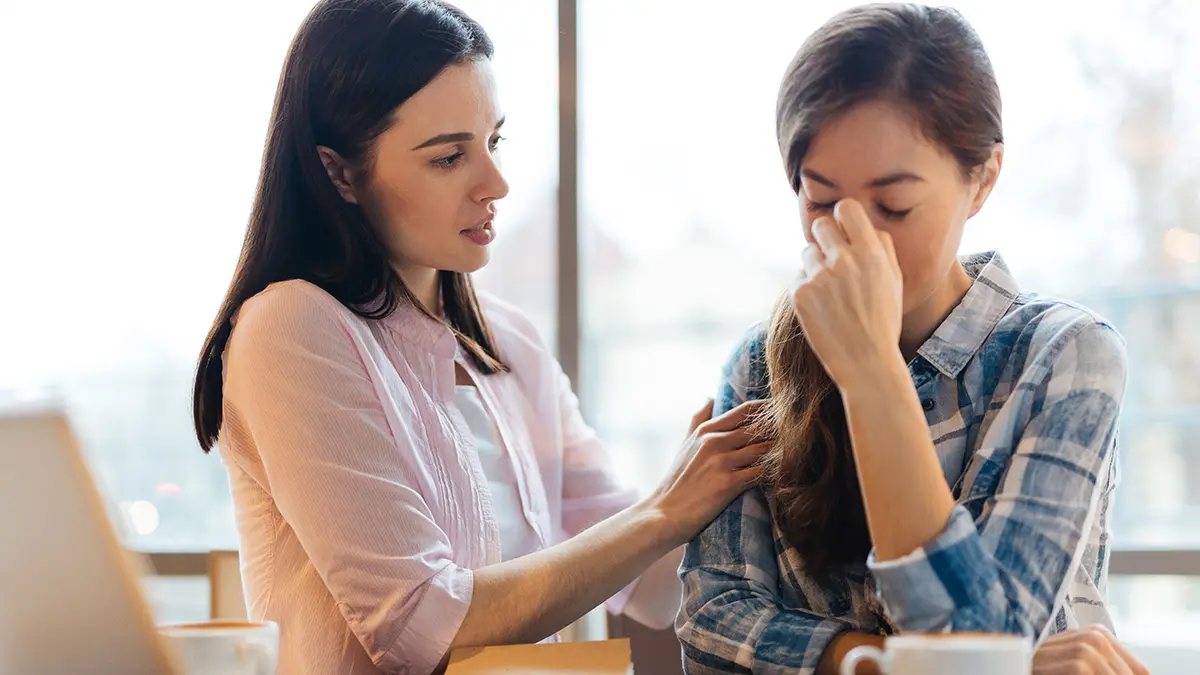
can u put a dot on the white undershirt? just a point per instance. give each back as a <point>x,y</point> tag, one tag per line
<point>517,538</point>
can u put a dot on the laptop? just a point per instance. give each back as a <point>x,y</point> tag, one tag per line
<point>69,596</point>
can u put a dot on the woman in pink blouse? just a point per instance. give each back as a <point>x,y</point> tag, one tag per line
<point>408,463</point>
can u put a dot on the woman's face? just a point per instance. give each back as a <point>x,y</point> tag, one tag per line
<point>911,187</point>
<point>434,178</point>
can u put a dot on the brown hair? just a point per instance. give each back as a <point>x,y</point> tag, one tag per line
<point>929,62</point>
<point>351,64</point>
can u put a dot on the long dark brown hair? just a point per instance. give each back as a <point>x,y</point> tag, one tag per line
<point>930,62</point>
<point>350,65</point>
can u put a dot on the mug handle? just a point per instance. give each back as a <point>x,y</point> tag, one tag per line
<point>859,655</point>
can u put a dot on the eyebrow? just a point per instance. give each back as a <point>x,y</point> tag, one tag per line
<point>457,137</point>
<point>882,181</point>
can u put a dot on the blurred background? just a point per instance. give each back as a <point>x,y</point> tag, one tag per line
<point>133,131</point>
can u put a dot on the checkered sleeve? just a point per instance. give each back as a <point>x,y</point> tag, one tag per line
<point>1003,571</point>
<point>731,620</point>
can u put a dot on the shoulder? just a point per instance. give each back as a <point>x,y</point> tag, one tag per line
<point>744,375</point>
<point>1043,328</point>
<point>288,304</point>
<point>509,323</point>
<point>291,313</point>
<point>1051,338</point>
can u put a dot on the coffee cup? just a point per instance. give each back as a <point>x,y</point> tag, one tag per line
<point>947,654</point>
<point>224,647</point>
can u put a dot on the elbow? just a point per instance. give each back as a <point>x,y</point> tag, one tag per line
<point>706,649</point>
<point>696,659</point>
<point>700,663</point>
<point>704,628</point>
<point>689,632</point>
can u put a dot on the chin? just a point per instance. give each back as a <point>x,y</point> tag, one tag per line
<point>468,264</point>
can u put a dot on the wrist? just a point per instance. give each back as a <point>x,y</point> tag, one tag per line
<point>654,517</point>
<point>870,377</point>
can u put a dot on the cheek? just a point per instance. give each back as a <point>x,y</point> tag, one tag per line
<point>925,251</point>
<point>412,207</point>
<point>917,253</point>
<point>907,255</point>
<point>390,214</point>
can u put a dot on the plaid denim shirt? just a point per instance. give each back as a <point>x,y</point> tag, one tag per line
<point>1022,395</point>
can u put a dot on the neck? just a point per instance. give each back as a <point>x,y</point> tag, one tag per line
<point>921,322</point>
<point>423,282</point>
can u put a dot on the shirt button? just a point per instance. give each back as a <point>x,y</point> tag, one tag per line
<point>928,404</point>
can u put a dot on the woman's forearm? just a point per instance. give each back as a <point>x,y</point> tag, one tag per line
<point>904,490</point>
<point>530,598</point>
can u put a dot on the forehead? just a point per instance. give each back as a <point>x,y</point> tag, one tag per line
<point>463,97</point>
<point>871,140</point>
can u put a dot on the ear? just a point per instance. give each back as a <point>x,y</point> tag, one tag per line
<point>989,173</point>
<point>340,173</point>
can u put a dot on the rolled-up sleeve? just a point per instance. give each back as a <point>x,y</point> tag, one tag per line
<point>592,491</point>
<point>297,379</point>
<point>1004,572</point>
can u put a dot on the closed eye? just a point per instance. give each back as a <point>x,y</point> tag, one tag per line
<point>893,215</point>
<point>890,214</point>
<point>818,207</point>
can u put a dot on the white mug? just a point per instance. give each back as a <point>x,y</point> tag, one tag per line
<point>947,654</point>
<point>225,647</point>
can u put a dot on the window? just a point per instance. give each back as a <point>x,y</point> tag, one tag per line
<point>522,269</point>
<point>1158,616</point>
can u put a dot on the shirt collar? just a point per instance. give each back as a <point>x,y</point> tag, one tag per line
<point>418,329</point>
<point>959,337</point>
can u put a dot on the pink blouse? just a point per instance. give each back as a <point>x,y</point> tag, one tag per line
<point>361,505</point>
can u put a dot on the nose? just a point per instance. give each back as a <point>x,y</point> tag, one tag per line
<point>492,185</point>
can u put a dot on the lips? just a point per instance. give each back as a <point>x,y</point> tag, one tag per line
<point>484,222</point>
<point>482,233</point>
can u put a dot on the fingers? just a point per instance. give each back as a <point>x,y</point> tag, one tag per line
<point>732,419</point>
<point>811,260</point>
<point>701,417</point>
<point>1086,651</point>
<point>855,222</point>
<point>1115,654</point>
<point>889,249</point>
<point>1071,660</point>
<point>1135,666</point>
<point>748,477</point>
<point>799,281</point>
<point>747,456</point>
<point>829,236</point>
<point>727,441</point>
